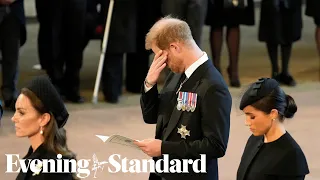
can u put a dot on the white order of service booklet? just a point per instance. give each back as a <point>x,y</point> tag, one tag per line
<point>118,139</point>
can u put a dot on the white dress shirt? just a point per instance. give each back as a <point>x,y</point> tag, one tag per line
<point>190,69</point>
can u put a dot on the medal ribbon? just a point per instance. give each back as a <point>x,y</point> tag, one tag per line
<point>180,96</point>
<point>185,100</point>
<point>190,100</point>
<point>194,100</point>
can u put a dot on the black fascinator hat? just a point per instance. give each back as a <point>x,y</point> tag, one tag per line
<point>42,87</point>
<point>257,91</point>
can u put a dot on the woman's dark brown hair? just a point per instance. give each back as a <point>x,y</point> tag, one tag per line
<point>55,138</point>
<point>277,99</point>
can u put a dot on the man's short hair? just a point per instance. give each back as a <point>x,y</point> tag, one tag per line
<point>166,31</point>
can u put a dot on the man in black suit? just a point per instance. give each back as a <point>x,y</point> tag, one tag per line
<point>192,112</point>
<point>12,37</point>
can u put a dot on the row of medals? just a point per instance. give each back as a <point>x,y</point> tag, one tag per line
<point>185,107</point>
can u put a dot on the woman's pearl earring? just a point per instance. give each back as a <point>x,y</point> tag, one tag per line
<point>41,132</point>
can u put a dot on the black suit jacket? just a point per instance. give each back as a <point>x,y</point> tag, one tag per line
<point>42,153</point>
<point>209,124</point>
<point>283,160</point>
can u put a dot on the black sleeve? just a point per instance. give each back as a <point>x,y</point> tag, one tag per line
<point>149,102</point>
<point>292,166</point>
<point>291,178</point>
<point>56,176</point>
<point>215,111</point>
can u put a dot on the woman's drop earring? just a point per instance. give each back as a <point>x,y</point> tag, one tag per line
<point>41,131</point>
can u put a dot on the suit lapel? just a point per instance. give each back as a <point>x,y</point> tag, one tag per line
<point>30,155</point>
<point>191,84</point>
<point>170,88</point>
<point>249,156</point>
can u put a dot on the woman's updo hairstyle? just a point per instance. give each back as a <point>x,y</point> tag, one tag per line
<point>265,95</point>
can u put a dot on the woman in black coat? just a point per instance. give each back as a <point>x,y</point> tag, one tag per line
<point>220,14</point>
<point>280,24</point>
<point>40,116</point>
<point>312,10</point>
<point>271,153</point>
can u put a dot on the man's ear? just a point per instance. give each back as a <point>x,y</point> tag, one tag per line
<point>175,47</point>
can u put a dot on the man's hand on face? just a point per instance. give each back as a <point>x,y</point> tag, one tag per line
<point>158,64</point>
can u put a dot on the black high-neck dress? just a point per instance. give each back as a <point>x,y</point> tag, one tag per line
<point>282,159</point>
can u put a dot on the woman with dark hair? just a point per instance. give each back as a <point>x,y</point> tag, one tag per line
<point>220,14</point>
<point>280,26</point>
<point>271,153</point>
<point>40,115</point>
<point>312,10</point>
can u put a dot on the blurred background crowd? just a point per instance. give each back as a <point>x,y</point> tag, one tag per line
<point>67,26</point>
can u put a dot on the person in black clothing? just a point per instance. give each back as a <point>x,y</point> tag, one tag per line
<point>280,25</point>
<point>220,15</point>
<point>61,34</point>
<point>271,152</point>
<point>192,111</point>
<point>122,39</point>
<point>40,116</point>
<point>12,37</point>
<point>130,22</point>
<point>312,10</point>
<point>138,62</point>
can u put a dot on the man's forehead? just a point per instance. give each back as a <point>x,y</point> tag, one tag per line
<point>155,48</point>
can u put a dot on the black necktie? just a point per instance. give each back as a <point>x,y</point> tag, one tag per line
<point>183,79</point>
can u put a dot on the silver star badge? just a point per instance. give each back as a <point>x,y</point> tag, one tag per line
<point>183,131</point>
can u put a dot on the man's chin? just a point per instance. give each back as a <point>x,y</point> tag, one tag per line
<point>175,70</point>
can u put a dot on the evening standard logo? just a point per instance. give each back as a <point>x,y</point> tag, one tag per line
<point>114,164</point>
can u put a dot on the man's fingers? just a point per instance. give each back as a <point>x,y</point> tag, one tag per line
<point>161,62</point>
<point>162,67</point>
<point>157,55</point>
<point>139,143</point>
<point>156,59</point>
